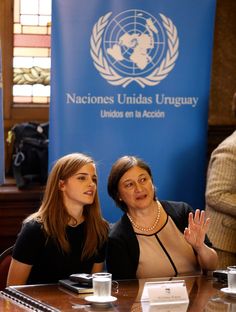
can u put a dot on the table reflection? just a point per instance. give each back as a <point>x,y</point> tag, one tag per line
<point>204,294</point>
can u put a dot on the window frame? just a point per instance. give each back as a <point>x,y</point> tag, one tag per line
<point>13,114</point>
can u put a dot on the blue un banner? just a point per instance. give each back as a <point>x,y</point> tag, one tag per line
<point>133,77</point>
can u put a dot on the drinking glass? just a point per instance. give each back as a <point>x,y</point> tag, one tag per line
<point>232,277</point>
<point>102,284</point>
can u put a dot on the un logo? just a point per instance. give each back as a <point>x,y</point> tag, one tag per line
<point>134,46</point>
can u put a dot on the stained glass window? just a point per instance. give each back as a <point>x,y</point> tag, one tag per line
<point>32,52</point>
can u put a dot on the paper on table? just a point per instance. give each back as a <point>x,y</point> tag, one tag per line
<point>165,292</point>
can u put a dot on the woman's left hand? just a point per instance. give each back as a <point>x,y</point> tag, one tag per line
<point>197,228</point>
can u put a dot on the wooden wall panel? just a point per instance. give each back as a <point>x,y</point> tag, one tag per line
<point>15,206</point>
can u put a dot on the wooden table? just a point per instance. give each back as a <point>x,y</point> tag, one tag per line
<point>204,295</point>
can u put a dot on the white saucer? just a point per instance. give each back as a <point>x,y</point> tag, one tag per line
<point>229,292</point>
<point>100,300</point>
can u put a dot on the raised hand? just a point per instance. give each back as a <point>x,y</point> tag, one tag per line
<point>197,228</point>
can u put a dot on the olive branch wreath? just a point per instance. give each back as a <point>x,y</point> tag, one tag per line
<point>113,77</point>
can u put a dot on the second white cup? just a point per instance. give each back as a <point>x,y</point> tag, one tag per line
<point>232,277</point>
<point>102,284</point>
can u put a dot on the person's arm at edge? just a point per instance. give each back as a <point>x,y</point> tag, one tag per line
<point>18,273</point>
<point>220,188</point>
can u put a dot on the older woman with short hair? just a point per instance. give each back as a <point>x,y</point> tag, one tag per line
<point>153,238</point>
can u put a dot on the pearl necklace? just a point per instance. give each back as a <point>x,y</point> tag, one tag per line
<point>149,229</point>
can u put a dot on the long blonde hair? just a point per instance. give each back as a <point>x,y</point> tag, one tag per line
<point>54,216</point>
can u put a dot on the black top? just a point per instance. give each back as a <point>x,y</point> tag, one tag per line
<point>49,262</point>
<point>123,247</point>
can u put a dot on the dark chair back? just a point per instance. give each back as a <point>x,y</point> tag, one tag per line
<point>5,260</point>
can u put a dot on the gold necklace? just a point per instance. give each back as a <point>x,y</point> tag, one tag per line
<point>149,229</point>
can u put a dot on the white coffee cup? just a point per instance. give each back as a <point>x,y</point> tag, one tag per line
<point>232,277</point>
<point>102,284</point>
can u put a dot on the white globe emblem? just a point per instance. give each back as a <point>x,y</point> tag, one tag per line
<point>134,42</point>
<point>134,47</point>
